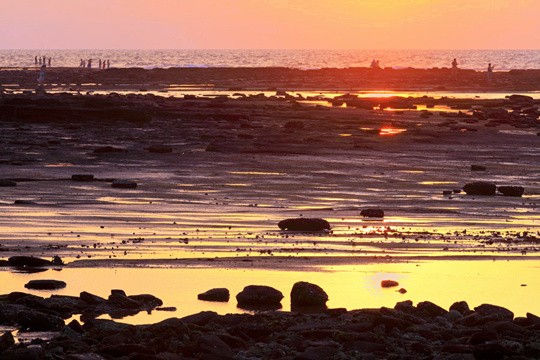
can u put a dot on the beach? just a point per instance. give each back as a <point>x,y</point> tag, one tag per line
<point>213,159</point>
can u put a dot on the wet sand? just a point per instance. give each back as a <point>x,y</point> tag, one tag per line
<point>226,170</point>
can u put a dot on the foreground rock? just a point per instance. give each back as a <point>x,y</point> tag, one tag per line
<point>218,294</point>
<point>124,184</point>
<point>307,294</point>
<point>516,191</point>
<point>372,213</point>
<point>45,284</point>
<point>259,296</point>
<point>480,188</point>
<point>304,224</point>
<point>28,261</point>
<point>409,332</point>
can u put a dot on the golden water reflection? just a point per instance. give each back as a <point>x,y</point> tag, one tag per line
<point>512,284</point>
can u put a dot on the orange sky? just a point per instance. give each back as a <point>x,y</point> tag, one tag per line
<point>270,24</point>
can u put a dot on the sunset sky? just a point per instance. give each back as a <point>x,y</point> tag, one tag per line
<point>270,24</point>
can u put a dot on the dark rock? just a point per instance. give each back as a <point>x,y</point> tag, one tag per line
<point>7,183</point>
<point>32,352</point>
<point>201,319</point>
<point>483,337</point>
<point>28,261</point>
<point>470,320</point>
<point>533,318</point>
<point>45,284</point>
<point>24,202</point>
<point>57,260</point>
<point>494,312</point>
<point>259,295</point>
<point>431,308</point>
<point>304,224</point>
<point>6,341</point>
<point>31,320</point>
<point>478,168</point>
<point>124,184</point>
<point>123,301</point>
<point>516,191</point>
<point>82,177</point>
<point>389,283</point>
<point>492,351</point>
<point>91,298</point>
<point>521,98</point>
<point>147,300</point>
<point>124,349</point>
<point>218,294</point>
<point>460,306</point>
<point>307,294</point>
<point>76,326</point>
<point>86,356</point>
<point>213,345</point>
<point>391,322</point>
<point>405,306</point>
<point>372,213</point>
<point>480,188</point>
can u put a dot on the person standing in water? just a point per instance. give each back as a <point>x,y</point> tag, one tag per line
<point>41,78</point>
<point>490,72</point>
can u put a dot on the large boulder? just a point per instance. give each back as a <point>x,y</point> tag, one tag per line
<point>495,312</point>
<point>259,296</point>
<point>31,320</point>
<point>516,191</point>
<point>304,224</point>
<point>480,188</point>
<point>307,294</point>
<point>28,261</point>
<point>218,294</point>
<point>45,284</point>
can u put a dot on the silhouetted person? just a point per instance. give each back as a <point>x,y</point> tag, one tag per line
<point>108,64</point>
<point>490,72</point>
<point>35,60</point>
<point>454,68</point>
<point>99,67</point>
<point>50,61</point>
<point>89,63</point>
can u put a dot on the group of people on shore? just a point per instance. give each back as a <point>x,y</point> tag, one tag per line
<point>42,60</point>
<point>103,64</point>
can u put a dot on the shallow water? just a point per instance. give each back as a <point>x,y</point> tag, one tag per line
<point>351,287</point>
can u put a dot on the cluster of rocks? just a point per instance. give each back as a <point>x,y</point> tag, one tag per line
<point>485,188</point>
<point>424,331</point>
<point>34,313</point>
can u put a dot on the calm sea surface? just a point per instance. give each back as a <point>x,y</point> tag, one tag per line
<point>302,59</point>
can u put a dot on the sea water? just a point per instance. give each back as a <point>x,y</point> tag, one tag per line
<point>298,59</point>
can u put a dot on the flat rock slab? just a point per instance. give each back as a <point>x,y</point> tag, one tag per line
<point>304,224</point>
<point>45,284</point>
<point>124,184</point>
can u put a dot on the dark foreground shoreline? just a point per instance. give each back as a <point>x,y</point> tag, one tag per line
<point>424,331</point>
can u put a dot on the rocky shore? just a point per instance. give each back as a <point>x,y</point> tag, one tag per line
<point>408,331</point>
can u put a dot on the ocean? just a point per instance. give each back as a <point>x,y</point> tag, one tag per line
<point>299,59</point>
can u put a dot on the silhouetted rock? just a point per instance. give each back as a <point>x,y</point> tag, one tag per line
<point>218,294</point>
<point>516,191</point>
<point>494,312</point>
<point>480,188</point>
<point>31,320</point>
<point>307,294</point>
<point>304,224</point>
<point>28,261</point>
<point>124,184</point>
<point>45,284</point>
<point>259,295</point>
<point>389,283</point>
<point>460,306</point>
<point>372,213</point>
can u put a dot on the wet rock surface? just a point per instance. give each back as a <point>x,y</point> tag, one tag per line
<point>304,224</point>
